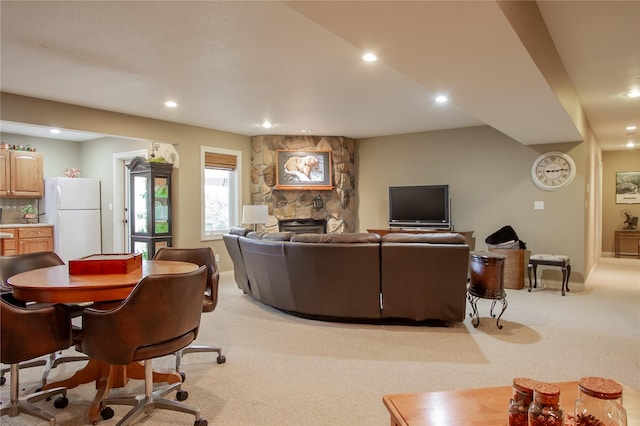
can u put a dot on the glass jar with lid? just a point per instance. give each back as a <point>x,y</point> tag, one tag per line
<point>521,397</point>
<point>599,403</point>
<point>545,409</point>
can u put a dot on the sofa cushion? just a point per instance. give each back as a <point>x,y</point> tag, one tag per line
<point>430,237</point>
<point>344,238</point>
<point>270,236</point>
<point>277,236</point>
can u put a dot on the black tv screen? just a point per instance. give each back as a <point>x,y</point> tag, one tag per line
<point>416,206</point>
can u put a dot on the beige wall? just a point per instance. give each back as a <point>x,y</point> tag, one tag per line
<point>97,162</point>
<point>489,175</point>
<point>612,162</point>
<point>97,156</point>
<point>593,205</point>
<point>58,153</point>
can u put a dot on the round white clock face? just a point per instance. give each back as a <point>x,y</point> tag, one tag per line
<point>553,171</point>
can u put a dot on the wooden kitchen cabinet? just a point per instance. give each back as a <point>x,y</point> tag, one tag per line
<point>35,239</point>
<point>8,245</point>
<point>30,239</point>
<point>5,172</point>
<point>22,174</point>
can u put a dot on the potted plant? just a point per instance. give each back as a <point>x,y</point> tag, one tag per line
<point>30,214</point>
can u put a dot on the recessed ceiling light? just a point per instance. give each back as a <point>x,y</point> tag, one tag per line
<point>267,124</point>
<point>170,104</point>
<point>441,99</point>
<point>307,130</point>
<point>630,145</point>
<point>634,93</point>
<point>369,57</point>
<point>55,131</point>
<point>632,128</point>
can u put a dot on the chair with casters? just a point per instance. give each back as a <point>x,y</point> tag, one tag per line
<point>160,316</point>
<point>29,333</point>
<point>16,264</point>
<point>200,256</point>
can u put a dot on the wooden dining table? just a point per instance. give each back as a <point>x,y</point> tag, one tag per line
<point>54,284</point>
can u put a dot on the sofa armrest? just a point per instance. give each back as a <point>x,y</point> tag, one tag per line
<point>239,230</point>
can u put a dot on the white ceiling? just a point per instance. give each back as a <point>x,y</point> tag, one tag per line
<point>232,64</point>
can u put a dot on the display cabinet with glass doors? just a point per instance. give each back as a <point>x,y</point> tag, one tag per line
<point>150,206</point>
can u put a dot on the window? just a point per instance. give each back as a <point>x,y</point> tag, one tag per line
<point>221,193</point>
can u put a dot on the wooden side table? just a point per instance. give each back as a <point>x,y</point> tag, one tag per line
<point>627,234</point>
<point>486,282</point>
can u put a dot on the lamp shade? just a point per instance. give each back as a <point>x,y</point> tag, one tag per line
<point>252,214</point>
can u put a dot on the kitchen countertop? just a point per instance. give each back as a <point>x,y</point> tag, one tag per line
<point>22,225</point>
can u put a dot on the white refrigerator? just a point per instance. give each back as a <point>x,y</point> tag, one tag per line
<point>72,206</point>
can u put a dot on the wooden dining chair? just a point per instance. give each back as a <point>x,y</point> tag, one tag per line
<point>16,264</point>
<point>29,333</point>
<point>201,256</point>
<point>160,316</point>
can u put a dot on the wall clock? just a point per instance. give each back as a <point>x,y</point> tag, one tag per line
<point>553,170</point>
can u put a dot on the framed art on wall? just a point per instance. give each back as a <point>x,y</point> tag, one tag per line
<point>303,170</point>
<point>628,188</point>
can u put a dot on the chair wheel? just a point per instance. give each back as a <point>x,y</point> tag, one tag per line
<point>221,359</point>
<point>3,380</point>
<point>106,413</point>
<point>183,376</point>
<point>61,402</point>
<point>181,395</point>
<point>200,422</point>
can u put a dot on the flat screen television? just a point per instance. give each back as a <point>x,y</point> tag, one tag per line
<point>419,206</point>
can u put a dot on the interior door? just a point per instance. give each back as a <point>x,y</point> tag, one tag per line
<point>126,229</point>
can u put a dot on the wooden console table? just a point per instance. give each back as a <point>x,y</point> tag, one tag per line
<point>627,234</point>
<point>480,407</point>
<point>468,235</point>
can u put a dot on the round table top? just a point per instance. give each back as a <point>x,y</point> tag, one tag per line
<point>54,284</point>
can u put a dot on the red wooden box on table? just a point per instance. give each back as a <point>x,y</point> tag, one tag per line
<point>116,263</point>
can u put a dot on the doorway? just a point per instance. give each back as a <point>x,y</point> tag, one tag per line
<point>121,229</point>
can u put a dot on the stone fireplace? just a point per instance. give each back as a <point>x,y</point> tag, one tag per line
<point>338,205</point>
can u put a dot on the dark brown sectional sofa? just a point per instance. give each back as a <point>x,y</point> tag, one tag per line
<point>358,277</point>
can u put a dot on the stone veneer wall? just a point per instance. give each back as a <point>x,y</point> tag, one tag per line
<point>340,204</point>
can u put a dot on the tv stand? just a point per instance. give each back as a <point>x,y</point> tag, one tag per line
<point>468,235</point>
<point>418,228</point>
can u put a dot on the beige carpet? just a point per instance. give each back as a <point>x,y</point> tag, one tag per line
<point>283,370</point>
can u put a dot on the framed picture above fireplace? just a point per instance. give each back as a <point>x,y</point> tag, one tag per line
<point>303,170</point>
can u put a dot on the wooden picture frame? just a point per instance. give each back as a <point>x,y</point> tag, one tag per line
<point>304,170</point>
<point>627,187</point>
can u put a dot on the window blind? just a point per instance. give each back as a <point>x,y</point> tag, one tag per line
<point>220,161</point>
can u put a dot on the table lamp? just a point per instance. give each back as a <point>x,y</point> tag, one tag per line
<point>254,214</point>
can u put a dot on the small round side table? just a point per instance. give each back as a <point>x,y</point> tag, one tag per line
<point>486,282</point>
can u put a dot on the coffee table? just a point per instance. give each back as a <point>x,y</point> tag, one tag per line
<point>481,406</point>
